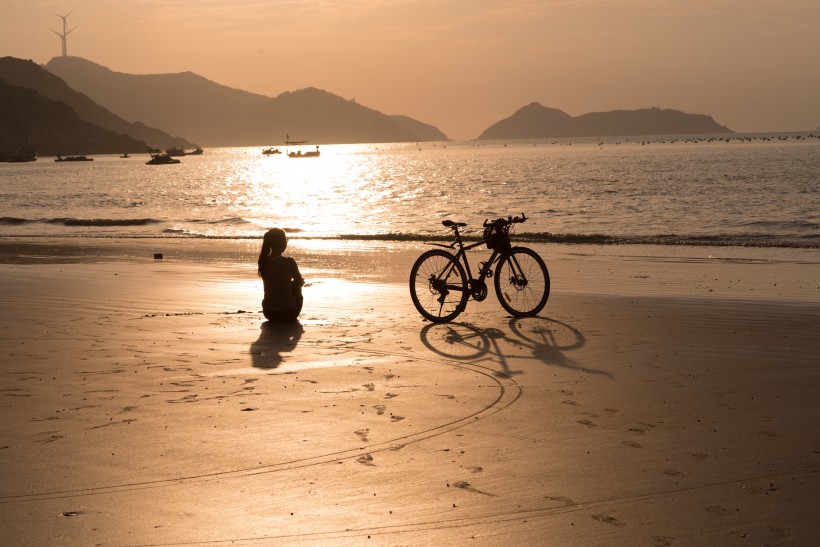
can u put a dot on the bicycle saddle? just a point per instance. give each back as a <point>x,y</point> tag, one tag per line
<point>450,223</point>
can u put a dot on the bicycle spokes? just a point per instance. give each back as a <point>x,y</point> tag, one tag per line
<point>522,282</point>
<point>519,281</point>
<point>438,286</point>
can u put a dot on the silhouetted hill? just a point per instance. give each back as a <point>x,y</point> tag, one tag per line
<point>53,127</point>
<point>423,131</point>
<point>535,121</point>
<point>217,115</point>
<point>29,75</point>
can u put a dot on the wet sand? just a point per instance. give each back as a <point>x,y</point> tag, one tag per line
<point>655,401</point>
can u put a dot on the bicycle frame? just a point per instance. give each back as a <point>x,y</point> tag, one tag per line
<point>461,255</point>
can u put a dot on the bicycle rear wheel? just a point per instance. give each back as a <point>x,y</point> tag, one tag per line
<point>522,282</point>
<point>438,286</point>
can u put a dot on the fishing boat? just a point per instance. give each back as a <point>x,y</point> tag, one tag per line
<point>175,151</point>
<point>195,152</point>
<point>158,158</point>
<point>300,154</point>
<point>290,142</point>
<point>269,151</point>
<point>72,158</point>
<point>19,155</point>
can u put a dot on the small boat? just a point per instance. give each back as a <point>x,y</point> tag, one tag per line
<point>21,154</point>
<point>195,152</point>
<point>289,142</point>
<point>174,151</point>
<point>158,158</point>
<point>299,154</point>
<point>72,158</point>
<point>269,151</point>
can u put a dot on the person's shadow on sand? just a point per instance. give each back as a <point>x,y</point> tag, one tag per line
<point>274,340</point>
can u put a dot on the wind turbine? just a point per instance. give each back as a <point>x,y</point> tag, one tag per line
<point>66,32</point>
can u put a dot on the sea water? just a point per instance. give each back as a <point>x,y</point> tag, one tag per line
<point>740,191</point>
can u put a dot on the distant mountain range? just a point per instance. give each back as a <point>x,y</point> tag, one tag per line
<point>535,121</point>
<point>61,138</point>
<point>211,114</point>
<point>30,121</point>
<point>74,106</point>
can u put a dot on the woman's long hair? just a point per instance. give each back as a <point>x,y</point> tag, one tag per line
<point>274,242</point>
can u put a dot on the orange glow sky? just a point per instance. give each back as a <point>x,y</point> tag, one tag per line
<point>462,65</point>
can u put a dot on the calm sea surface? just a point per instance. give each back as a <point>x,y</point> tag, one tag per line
<point>756,191</point>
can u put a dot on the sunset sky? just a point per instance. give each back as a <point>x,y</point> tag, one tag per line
<point>462,65</point>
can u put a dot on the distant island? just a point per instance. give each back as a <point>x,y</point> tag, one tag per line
<point>535,121</point>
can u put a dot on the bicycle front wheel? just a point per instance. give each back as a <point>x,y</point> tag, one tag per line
<point>438,286</point>
<point>522,282</point>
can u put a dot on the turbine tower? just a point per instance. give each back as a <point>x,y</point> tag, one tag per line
<point>64,35</point>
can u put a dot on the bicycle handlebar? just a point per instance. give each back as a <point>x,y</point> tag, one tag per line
<point>508,220</point>
<point>502,220</point>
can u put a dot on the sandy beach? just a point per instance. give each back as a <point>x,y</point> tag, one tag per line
<point>663,397</point>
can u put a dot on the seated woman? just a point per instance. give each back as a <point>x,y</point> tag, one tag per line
<point>283,282</point>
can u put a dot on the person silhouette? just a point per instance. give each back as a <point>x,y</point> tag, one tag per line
<point>282,280</point>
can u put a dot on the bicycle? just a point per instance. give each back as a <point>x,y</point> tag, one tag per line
<point>440,285</point>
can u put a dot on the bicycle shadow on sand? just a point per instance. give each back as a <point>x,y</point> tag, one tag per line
<point>548,339</point>
<point>274,340</point>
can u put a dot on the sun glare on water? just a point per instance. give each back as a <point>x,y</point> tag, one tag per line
<point>340,192</point>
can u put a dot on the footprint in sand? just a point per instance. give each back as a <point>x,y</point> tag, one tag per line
<point>469,487</point>
<point>588,423</point>
<point>718,510</point>
<point>370,387</point>
<point>396,418</point>
<point>362,433</point>
<point>633,444</point>
<point>672,472</point>
<point>380,409</point>
<point>50,439</point>
<point>366,459</point>
<point>561,499</point>
<point>608,520</point>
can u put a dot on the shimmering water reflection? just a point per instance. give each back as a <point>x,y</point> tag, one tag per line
<point>740,192</point>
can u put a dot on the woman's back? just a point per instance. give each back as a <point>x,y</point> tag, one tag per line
<point>279,275</point>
